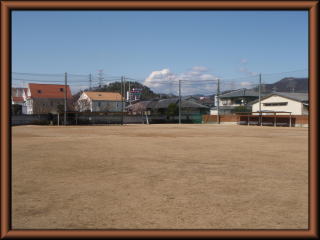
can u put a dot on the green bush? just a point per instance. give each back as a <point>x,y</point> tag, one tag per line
<point>241,109</point>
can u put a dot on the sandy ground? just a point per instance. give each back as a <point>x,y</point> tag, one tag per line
<point>159,177</point>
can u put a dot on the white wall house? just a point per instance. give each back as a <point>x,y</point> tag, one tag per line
<point>296,103</point>
<point>100,102</point>
<point>18,97</point>
<point>47,98</point>
<point>230,100</point>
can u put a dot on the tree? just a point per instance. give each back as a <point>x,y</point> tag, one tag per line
<point>172,110</point>
<point>146,92</point>
<point>241,109</point>
<point>16,109</point>
<point>60,108</point>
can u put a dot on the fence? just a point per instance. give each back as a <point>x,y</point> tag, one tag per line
<point>74,119</point>
<point>197,84</point>
<point>267,120</point>
<point>38,119</point>
<point>102,118</point>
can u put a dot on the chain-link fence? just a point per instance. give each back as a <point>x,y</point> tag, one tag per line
<point>158,101</point>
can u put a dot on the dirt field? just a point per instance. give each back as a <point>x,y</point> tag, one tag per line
<point>159,177</point>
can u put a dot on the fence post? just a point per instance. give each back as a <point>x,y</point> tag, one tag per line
<point>290,121</point>
<point>122,94</point>
<point>179,101</point>
<point>218,99</point>
<point>65,98</point>
<point>260,99</point>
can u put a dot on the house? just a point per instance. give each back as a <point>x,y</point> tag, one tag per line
<point>229,101</point>
<point>47,98</point>
<point>296,103</point>
<point>141,107</point>
<point>18,100</point>
<point>188,107</point>
<point>207,101</point>
<point>101,102</point>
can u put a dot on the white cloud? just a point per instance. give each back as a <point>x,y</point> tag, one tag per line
<point>199,69</point>
<point>246,71</point>
<point>245,84</point>
<point>166,81</point>
<point>243,60</point>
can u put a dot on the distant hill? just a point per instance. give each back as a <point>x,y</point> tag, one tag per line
<point>288,84</point>
<point>146,93</point>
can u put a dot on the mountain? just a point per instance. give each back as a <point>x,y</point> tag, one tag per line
<point>288,84</point>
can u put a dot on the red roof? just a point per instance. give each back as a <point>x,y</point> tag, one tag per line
<point>18,92</point>
<point>18,99</point>
<point>48,90</point>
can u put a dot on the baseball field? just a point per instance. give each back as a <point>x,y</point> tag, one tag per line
<point>200,176</point>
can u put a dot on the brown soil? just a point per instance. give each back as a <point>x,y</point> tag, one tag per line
<point>159,177</point>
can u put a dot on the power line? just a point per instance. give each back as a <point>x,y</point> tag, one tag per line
<point>39,74</point>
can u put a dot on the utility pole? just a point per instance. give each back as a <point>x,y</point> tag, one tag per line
<point>218,100</point>
<point>124,88</point>
<point>90,82</point>
<point>260,99</point>
<point>65,98</point>
<point>179,101</point>
<point>260,92</point>
<point>100,77</point>
<point>122,100</point>
<point>129,97</point>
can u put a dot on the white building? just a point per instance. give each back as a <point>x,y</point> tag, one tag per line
<point>47,98</point>
<point>18,97</point>
<point>100,102</point>
<point>296,103</point>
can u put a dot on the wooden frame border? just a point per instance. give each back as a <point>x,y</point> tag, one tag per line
<point>8,6</point>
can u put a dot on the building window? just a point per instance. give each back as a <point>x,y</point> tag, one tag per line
<point>238,101</point>
<point>61,89</point>
<point>39,91</point>
<point>276,104</point>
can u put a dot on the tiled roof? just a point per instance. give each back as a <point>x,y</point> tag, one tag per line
<point>300,97</point>
<point>241,93</point>
<point>104,96</point>
<point>18,92</point>
<point>18,99</point>
<point>164,103</point>
<point>139,106</point>
<point>48,91</point>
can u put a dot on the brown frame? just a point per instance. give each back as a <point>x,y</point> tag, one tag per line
<point>7,6</point>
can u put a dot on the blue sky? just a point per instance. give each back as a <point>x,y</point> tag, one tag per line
<point>224,44</point>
